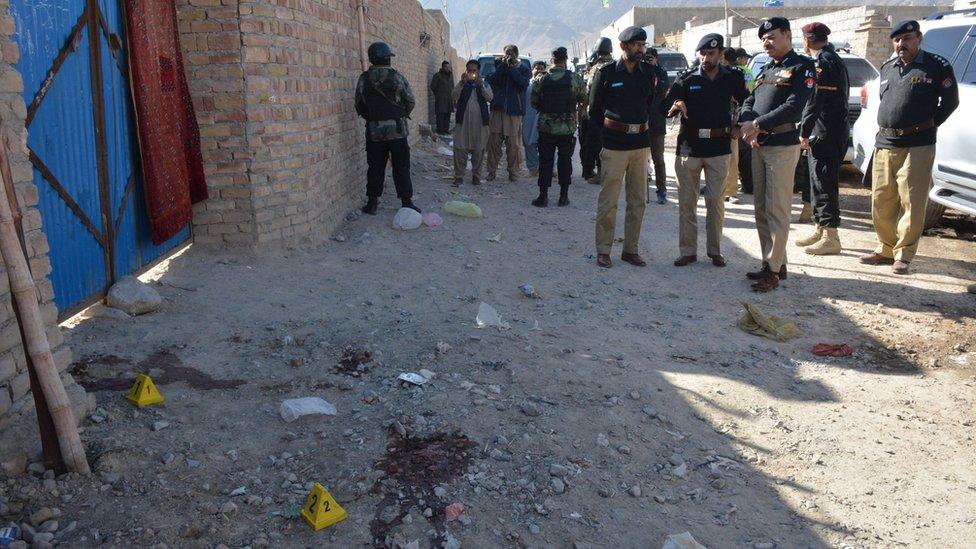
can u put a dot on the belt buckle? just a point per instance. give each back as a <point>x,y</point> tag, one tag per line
<point>633,128</point>
<point>704,133</point>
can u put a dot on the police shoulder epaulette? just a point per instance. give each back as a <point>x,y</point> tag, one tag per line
<point>939,58</point>
<point>685,73</point>
<point>889,61</point>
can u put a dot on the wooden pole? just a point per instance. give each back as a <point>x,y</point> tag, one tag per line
<point>36,345</point>
<point>45,424</point>
<point>361,12</point>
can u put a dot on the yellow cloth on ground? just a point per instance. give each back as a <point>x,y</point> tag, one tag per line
<point>756,322</point>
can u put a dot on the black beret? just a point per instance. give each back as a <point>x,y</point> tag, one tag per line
<point>817,30</point>
<point>903,27</point>
<point>772,24</point>
<point>560,53</point>
<point>741,52</point>
<point>710,42</point>
<point>633,34</point>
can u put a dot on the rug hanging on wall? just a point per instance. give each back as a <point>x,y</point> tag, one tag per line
<point>169,138</point>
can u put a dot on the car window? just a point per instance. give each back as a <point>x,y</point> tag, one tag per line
<point>672,62</point>
<point>944,41</point>
<point>859,71</point>
<point>969,76</point>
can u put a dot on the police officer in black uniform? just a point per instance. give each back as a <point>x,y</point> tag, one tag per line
<point>918,92</point>
<point>769,120</point>
<point>824,132</point>
<point>702,97</point>
<point>385,100</point>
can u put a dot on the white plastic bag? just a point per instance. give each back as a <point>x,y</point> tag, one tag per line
<point>407,219</point>
<point>488,316</point>
<point>294,408</point>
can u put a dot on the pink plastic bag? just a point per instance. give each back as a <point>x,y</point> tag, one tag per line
<point>431,219</point>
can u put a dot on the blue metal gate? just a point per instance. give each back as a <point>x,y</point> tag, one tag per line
<point>82,144</point>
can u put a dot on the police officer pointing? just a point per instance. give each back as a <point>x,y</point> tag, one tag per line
<point>824,132</point>
<point>918,93</point>
<point>769,120</point>
<point>384,99</point>
<point>702,97</point>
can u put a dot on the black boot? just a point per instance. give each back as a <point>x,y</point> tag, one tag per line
<point>543,200</point>
<point>563,196</point>
<point>407,203</point>
<point>371,203</point>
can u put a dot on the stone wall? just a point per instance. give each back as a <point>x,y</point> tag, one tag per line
<point>845,25</point>
<point>18,422</point>
<point>273,82</point>
<point>861,27</point>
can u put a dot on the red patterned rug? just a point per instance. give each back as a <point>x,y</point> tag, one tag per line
<point>169,137</point>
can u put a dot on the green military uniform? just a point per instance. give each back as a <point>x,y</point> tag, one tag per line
<point>557,95</point>
<point>384,99</point>
<point>589,136</point>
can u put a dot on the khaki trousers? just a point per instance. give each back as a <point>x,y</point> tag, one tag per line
<point>461,157</point>
<point>772,179</point>
<point>901,179</point>
<point>619,168</point>
<point>688,170</point>
<point>732,173</point>
<point>504,129</point>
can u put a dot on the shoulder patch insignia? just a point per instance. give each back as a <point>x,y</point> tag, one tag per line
<point>948,82</point>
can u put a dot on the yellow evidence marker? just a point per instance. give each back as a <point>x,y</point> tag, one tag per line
<point>321,510</point>
<point>144,392</point>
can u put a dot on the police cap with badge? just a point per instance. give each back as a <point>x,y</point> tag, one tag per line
<point>772,24</point>
<point>710,42</point>
<point>633,34</point>
<point>904,27</point>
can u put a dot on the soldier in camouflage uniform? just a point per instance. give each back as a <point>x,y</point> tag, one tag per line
<point>556,95</point>
<point>590,143</point>
<point>384,99</point>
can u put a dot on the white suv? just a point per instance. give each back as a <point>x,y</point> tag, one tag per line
<point>953,36</point>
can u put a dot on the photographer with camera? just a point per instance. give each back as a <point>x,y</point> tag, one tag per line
<point>508,84</point>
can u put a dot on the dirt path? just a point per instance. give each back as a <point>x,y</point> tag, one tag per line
<point>621,407</point>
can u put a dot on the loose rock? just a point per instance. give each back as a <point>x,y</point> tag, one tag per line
<point>133,296</point>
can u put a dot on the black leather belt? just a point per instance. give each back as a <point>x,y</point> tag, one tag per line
<point>900,132</point>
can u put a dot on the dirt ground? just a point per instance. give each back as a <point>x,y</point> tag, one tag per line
<point>619,407</point>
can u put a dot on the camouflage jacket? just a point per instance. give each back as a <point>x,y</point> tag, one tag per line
<point>385,100</point>
<point>558,123</point>
<point>583,111</point>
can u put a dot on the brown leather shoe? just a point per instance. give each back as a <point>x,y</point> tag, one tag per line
<point>634,259</point>
<point>766,284</point>
<point>719,261</point>
<point>877,259</point>
<point>604,261</point>
<point>685,260</point>
<point>760,274</point>
<point>900,267</point>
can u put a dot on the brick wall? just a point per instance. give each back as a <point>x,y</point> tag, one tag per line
<point>18,423</point>
<point>273,83</point>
